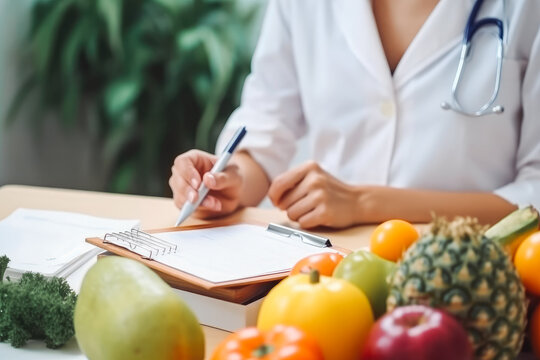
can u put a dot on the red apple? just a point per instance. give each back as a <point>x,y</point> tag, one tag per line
<point>417,332</point>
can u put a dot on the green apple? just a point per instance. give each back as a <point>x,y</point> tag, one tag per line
<point>369,273</point>
<point>125,311</point>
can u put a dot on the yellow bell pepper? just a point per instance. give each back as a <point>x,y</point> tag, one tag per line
<point>334,311</point>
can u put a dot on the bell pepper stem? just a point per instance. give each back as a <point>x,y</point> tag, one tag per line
<point>314,276</point>
<point>262,351</point>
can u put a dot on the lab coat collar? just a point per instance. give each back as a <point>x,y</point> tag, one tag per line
<point>441,32</point>
<point>362,36</point>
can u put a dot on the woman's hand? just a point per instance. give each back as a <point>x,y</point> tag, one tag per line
<point>313,197</point>
<point>190,169</point>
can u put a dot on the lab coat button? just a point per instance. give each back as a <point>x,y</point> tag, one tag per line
<point>388,109</point>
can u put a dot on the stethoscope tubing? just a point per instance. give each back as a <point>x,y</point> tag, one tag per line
<point>471,27</point>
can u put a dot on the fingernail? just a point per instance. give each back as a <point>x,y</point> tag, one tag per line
<point>212,203</point>
<point>191,196</point>
<point>194,183</point>
<point>211,180</point>
<point>207,202</point>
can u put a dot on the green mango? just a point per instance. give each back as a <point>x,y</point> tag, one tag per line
<point>125,311</point>
<point>370,273</point>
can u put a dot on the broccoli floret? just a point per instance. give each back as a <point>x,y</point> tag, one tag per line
<point>4,261</point>
<point>35,308</point>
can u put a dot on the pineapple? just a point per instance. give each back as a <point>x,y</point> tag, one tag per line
<point>456,268</point>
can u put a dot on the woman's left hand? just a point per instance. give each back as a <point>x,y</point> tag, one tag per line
<point>313,197</point>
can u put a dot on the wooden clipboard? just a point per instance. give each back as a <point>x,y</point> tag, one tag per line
<point>235,290</point>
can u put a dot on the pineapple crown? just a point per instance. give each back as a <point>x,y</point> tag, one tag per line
<point>459,228</point>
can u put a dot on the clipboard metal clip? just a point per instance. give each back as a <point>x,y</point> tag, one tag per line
<point>304,236</point>
<point>142,243</point>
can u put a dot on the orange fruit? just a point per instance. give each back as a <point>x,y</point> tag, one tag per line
<point>390,239</point>
<point>527,262</point>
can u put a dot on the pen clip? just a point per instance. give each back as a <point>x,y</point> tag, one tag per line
<point>306,237</point>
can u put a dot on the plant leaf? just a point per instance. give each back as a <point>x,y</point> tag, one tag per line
<point>221,63</point>
<point>111,10</point>
<point>175,6</point>
<point>45,36</point>
<point>91,50</point>
<point>120,95</point>
<point>220,59</point>
<point>74,44</point>
<point>187,40</point>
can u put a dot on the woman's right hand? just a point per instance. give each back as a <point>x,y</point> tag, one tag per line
<point>190,169</point>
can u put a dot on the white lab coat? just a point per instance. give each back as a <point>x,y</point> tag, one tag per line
<point>319,71</point>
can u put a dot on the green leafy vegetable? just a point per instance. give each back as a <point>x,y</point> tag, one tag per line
<point>35,308</point>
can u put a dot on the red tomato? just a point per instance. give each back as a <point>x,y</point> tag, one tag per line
<point>324,262</point>
<point>282,342</point>
<point>390,239</point>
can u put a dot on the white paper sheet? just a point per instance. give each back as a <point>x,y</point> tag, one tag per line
<point>52,242</point>
<point>234,252</point>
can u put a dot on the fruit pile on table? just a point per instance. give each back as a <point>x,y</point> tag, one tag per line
<point>456,291</point>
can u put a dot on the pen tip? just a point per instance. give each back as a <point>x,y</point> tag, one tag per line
<point>183,216</point>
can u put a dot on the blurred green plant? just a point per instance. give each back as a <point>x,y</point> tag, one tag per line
<point>161,75</point>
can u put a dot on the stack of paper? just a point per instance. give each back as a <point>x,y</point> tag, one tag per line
<point>52,242</point>
<point>221,314</point>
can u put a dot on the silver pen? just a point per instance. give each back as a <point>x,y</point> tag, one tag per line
<point>220,164</point>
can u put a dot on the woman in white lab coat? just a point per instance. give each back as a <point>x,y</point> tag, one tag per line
<point>365,84</point>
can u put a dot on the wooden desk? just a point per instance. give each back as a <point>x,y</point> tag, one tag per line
<point>154,212</point>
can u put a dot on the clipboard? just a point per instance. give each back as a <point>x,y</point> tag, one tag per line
<point>141,244</point>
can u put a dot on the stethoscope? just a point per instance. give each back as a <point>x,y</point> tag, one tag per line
<point>471,28</point>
